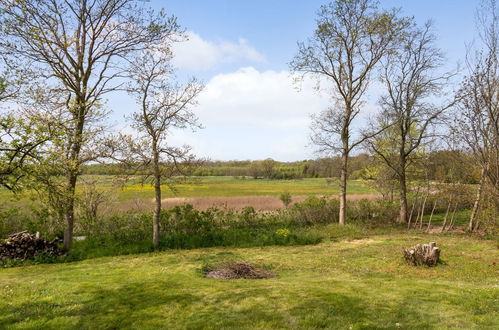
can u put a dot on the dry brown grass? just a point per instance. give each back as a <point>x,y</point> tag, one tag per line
<point>262,203</point>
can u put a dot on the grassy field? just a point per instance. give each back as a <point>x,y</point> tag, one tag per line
<point>134,195</point>
<point>349,284</point>
<point>222,186</point>
<point>233,186</point>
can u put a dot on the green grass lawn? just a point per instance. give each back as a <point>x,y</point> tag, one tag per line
<point>344,284</point>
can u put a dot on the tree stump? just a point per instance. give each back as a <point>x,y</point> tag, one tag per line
<point>423,254</point>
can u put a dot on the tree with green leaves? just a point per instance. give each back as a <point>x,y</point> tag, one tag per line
<point>412,81</point>
<point>76,48</point>
<point>351,38</point>
<point>20,139</point>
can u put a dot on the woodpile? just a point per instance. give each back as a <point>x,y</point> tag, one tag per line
<point>423,254</point>
<point>23,245</point>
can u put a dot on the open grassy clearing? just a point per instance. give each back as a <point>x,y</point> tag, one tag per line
<point>233,186</point>
<point>222,186</point>
<point>346,284</point>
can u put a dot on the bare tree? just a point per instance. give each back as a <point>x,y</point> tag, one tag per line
<point>164,105</point>
<point>412,80</point>
<point>77,46</point>
<point>477,122</point>
<point>350,39</point>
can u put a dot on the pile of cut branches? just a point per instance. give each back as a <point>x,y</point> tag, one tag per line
<point>235,270</point>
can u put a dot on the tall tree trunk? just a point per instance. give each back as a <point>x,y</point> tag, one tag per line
<point>73,173</point>
<point>343,187</point>
<point>476,204</point>
<point>157,197</point>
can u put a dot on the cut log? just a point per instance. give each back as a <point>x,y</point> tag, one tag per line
<point>423,255</point>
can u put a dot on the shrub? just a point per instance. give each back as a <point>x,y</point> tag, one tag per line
<point>374,211</point>
<point>285,198</point>
<point>315,210</point>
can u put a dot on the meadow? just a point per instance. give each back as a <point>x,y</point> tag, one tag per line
<point>240,186</point>
<point>133,195</point>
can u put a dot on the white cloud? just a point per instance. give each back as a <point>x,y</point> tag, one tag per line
<point>200,54</point>
<point>250,114</point>
<point>251,97</point>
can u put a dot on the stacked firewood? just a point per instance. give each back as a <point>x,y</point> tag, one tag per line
<point>423,254</point>
<point>24,245</point>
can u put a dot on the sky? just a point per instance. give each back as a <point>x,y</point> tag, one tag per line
<point>250,107</point>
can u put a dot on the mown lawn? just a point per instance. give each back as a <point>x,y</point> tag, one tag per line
<point>346,285</point>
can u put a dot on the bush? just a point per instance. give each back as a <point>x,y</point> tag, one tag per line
<point>372,211</point>
<point>319,210</point>
<point>315,210</point>
<point>285,198</point>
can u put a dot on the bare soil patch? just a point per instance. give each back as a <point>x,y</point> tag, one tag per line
<point>237,270</point>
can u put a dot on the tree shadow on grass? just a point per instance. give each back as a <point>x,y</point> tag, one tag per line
<point>98,308</point>
<point>213,304</point>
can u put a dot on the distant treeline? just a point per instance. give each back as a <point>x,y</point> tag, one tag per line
<point>444,166</point>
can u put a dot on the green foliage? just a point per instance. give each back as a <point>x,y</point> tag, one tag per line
<point>285,198</point>
<point>315,210</point>
<point>322,210</point>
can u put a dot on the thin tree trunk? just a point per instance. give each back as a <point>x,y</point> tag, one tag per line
<point>445,218</point>
<point>410,216</point>
<point>343,188</point>
<point>476,204</point>
<point>422,211</point>
<point>431,215</point>
<point>157,198</point>
<point>416,198</point>
<point>403,190</point>
<point>403,200</point>
<point>417,218</point>
<point>451,224</point>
